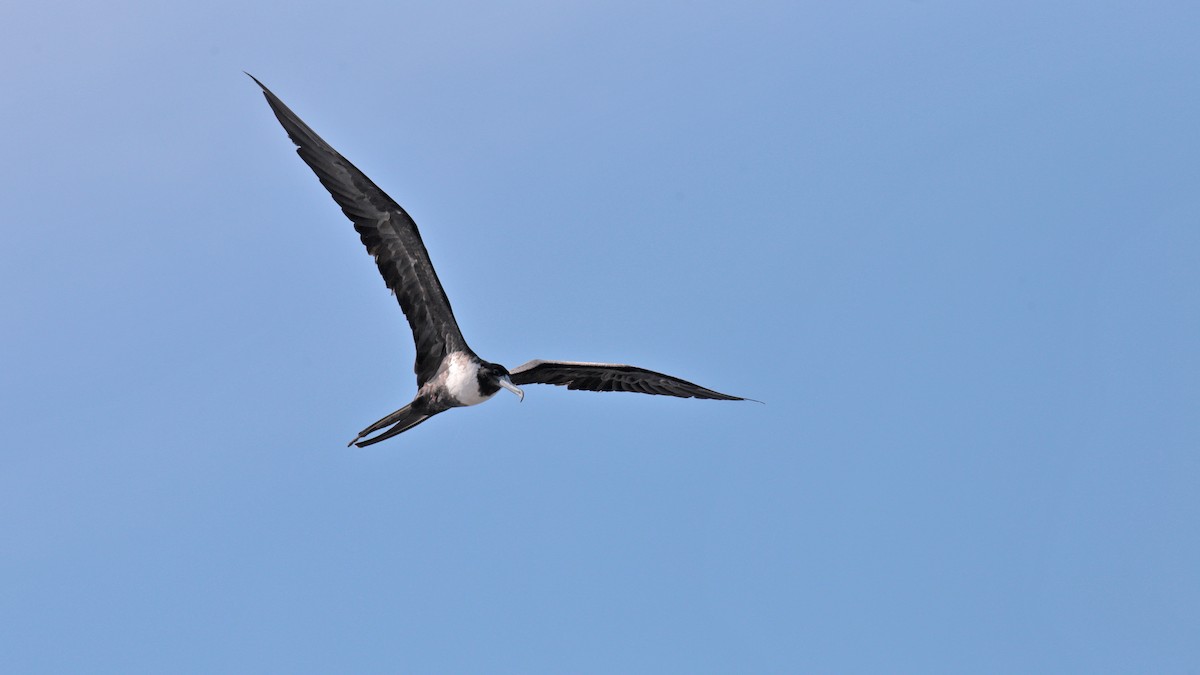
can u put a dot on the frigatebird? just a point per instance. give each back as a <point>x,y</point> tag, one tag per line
<point>449,374</point>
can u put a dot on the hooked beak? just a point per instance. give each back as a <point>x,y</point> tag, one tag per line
<point>507,384</point>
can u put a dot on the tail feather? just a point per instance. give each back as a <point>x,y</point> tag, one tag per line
<point>400,421</point>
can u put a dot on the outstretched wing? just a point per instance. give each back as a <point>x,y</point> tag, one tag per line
<point>611,377</point>
<point>390,236</point>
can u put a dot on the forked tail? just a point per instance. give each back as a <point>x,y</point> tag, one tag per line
<point>400,421</point>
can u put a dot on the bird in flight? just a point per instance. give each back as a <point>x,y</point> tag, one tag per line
<point>449,374</point>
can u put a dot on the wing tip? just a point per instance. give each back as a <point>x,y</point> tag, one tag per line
<point>256,81</point>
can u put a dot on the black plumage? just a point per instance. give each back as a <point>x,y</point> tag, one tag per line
<point>448,373</point>
<point>391,237</point>
<point>611,377</point>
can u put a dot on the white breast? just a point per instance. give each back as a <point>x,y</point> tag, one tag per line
<point>462,380</point>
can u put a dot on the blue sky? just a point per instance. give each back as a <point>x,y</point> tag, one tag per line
<point>954,247</point>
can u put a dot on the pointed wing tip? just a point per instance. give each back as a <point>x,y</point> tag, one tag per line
<point>271,97</point>
<point>722,396</point>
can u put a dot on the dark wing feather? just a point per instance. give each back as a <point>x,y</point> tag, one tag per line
<point>390,236</point>
<point>611,377</point>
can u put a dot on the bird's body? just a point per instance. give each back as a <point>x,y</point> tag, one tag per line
<point>462,383</point>
<point>449,373</point>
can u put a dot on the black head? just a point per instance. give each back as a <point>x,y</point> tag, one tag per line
<point>493,376</point>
